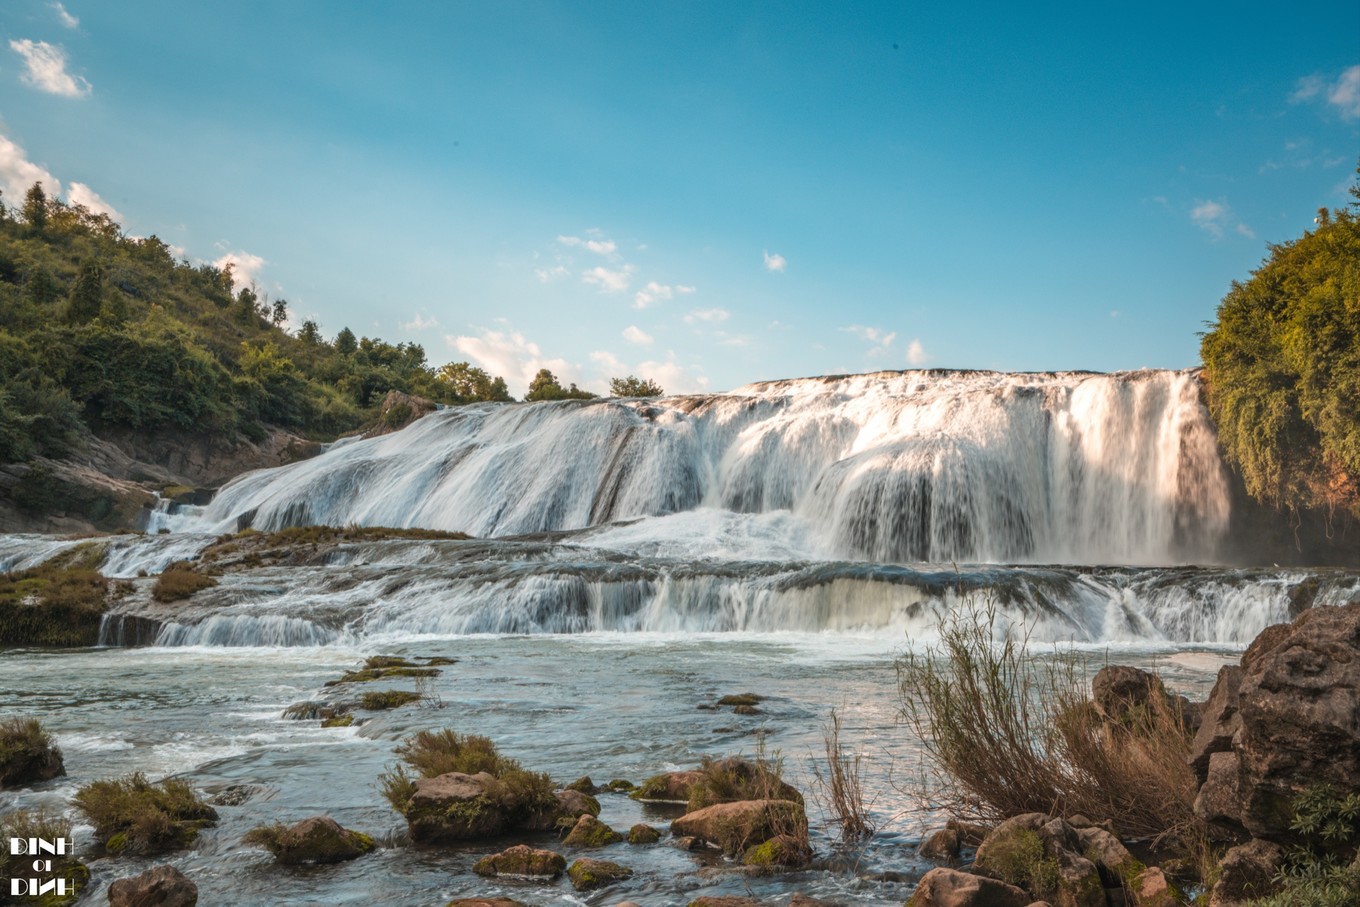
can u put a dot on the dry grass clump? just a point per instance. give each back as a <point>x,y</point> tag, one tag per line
<point>57,605</point>
<point>840,784</point>
<point>432,753</point>
<point>378,701</point>
<point>1008,732</point>
<point>132,815</point>
<point>734,779</point>
<point>27,753</point>
<point>179,581</point>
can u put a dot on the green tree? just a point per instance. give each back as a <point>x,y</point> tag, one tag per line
<point>87,295</point>
<point>467,383</point>
<point>310,333</point>
<point>40,287</point>
<point>35,208</point>
<point>345,344</point>
<point>279,313</point>
<point>633,386</point>
<point>545,387</point>
<point>1282,368</point>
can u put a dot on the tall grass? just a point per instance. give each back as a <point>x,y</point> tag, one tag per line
<point>1006,731</point>
<point>839,785</point>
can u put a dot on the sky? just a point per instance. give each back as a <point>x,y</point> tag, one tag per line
<point>706,194</point>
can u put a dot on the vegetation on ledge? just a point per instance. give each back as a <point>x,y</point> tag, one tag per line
<point>59,604</point>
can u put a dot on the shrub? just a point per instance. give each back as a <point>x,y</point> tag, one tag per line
<point>179,581</point>
<point>840,786</point>
<point>27,753</point>
<point>1323,870</point>
<point>1005,732</point>
<point>132,815</point>
<point>433,753</point>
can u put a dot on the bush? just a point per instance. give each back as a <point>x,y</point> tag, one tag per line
<point>179,581</point>
<point>28,753</point>
<point>432,753</point>
<point>1323,871</point>
<point>1005,732</point>
<point>131,815</point>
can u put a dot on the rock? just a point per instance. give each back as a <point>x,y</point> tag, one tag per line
<point>522,862</point>
<point>1298,721</point>
<point>671,787</point>
<point>723,900</point>
<point>1124,694</point>
<point>28,754</point>
<point>1219,723</point>
<point>1038,854</point>
<point>734,779</point>
<point>802,900</point>
<point>1107,852</point>
<point>574,804</point>
<point>318,839</point>
<point>397,411</point>
<point>643,833</point>
<point>484,902</point>
<point>736,826</point>
<point>620,786</point>
<point>1150,888</point>
<point>583,784</point>
<point>162,886</point>
<point>943,887</point>
<point>1247,872</point>
<point>455,807</point>
<point>943,844</point>
<point>587,874</point>
<point>591,832</point>
<point>690,843</point>
<point>780,852</point>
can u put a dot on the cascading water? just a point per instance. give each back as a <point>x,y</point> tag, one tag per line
<point>892,467</point>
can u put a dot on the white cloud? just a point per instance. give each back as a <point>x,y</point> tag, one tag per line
<point>1345,94</point>
<point>245,267</point>
<point>635,334</point>
<point>510,355</point>
<point>64,17</point>
<point>548,275</point>
<point>916,354</point>
<point>47,69</point>
<point>711,315</point>
<point>18,174</point>
<point>1306,88</point>
<point>606,247</point>
<point>1246,231</point>
<point>81,194</point>
<point>881,341</point>
<point>609,281</point>
<point>1215,218</point>
<point>420,323</point>
<point>658,292</point>
<point>673,377</point>
<point>775,262</point>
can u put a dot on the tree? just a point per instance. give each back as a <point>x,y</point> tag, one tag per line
<point>467,383</point>
<point>87,296</point>
<point>35,207</point>
<point>545,387</point>
<point>279,313</point>
<point>40,287</point>
<point>310,333</point>
<point>633,386</point>
<point>1282,369</point>
<point>345,344</point>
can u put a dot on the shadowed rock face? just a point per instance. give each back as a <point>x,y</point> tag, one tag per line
<point>1293,723</point>
<point>163,886</point>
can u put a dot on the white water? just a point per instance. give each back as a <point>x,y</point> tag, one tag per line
<point>893,467</point>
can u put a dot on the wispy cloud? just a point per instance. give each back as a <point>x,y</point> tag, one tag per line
<point>83,195</point>
<point>18,174</point>
<point>709,315</point>
<point>420,323</point>
<point>916,353</point>
<point>655,292</point>
<point>548,275</point>
<point>599,246</point>
<point>615,281</point>
<point>635,334</point>
<point>47,69</point>
<point>775,262</point>
<point>881,341</point>
<point>1216,218</point>
<point>1343,93</point>
<point>245,267</point>
<point>510,355</point>
<point>64,17</point>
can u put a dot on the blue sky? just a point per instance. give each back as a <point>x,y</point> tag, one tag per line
<point>705,193</point>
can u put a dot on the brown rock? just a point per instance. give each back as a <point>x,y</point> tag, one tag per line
<point>484,902</point>
<point>780,852</point>
<point>1119,689</point>
<point>643,833</point>
<point>587,874</point>
<point>591,832</point>
<point>943,887</point>
<point>455,807</point>
<point>1220,796</point>
<point>672,787</point>
<point>1106,850</point>
<point>162,886</point>
<point>943,844</point>
<point>1150,888</point>
<point>1220,722</point>
<point>737,826</point>
<point>522,862</point>
<point>1247,872</point>
<point>318,839</point>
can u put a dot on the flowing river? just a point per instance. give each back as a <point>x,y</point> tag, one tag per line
<point>633,561</point>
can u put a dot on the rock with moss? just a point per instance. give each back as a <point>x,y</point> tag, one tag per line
<point>591,832</point>
<point>735,827</point>
<point>339,721</point>
<point>723,900</point>
<point>28,753</point>
<point>587,874</point>
<point>736,699</point>
<point>522,862</point>
<point>456,807</point>
<point>59,604</point>
<point>620,786</point>
<point>1039,854</point>
<point>669,787</point>
<point>573,804</point>
<point>318,839</point>
<point>131,815</point>
<point>780,852</point>
<point>160,886</point>
<point>381,700</point>
<point>582,784</point>
<point>642,833</point>
<point>735,779</point>
<point>943,887</point>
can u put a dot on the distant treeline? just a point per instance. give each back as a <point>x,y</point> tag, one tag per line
<point>103,330</point>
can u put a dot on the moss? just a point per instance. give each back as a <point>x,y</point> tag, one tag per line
<point>368,675</point>
<point>742,699</point>
<point>131,815</point>
<point>28,753</point>
<point>437,660</point>
<point>377,701</point>
<point>180,581</point>
<point>338,721</point>
<point>587,874</point>
<point>57,604</point>
<point>642,833</point>
<point>1019,859</point>
<point>620,785</point>
<point>591,832</point>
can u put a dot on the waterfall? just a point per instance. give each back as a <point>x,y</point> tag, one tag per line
<point>893,467</point>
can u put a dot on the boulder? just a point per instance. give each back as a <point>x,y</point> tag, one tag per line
<point>1247,872</point>
<point>943,887</point>
<point>643,833</point>
<point>671,787</point>
<point>1109,854</point>
<point>1122,694</point>
<point>737,826</point>
<point>318,839</point>
<point>723,900</point>
<point>574,804</point>
<point>1298,723</point>
<point>780,852</point>
<point>591,832</point>
<point>455,807</point>
<point>484,902</point>
<point>1150,888</point>
<point>943,844</point>
<point>161,886</point>
<point>587,874</point>
<point>1219,723</point>
<point>522,862</point>
<point>583,784</point>
<point>1040,855</point>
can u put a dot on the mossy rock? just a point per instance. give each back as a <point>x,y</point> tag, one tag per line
<point>591,832</point>
<point>368,675</point>
<point>780,852</point>
<point>28,754</point>
<point>522,862</point>
<point>642,833</point>
<point>131,815</point>
<point>620,786</point>
<point>339,721</point>
<point>587,874</point>
<point>319,839</point>
<point>583,785</point>
<point>378,701</point>
<point>747,699</point>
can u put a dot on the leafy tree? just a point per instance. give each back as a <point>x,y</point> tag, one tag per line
<point>279,313</point>
<point>310,333</point>
<point>87,295</point>
<point>633,386</point>
<point>40,287</point>
<point>35,208</point>
<point>545,387</point>
<point>345,344</point>
<point>467,383</point>
<point>1282,367</point>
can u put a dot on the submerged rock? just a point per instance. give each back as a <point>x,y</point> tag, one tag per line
<point>587,874</point>
<point>318,839</point>
<point>163,886</point>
